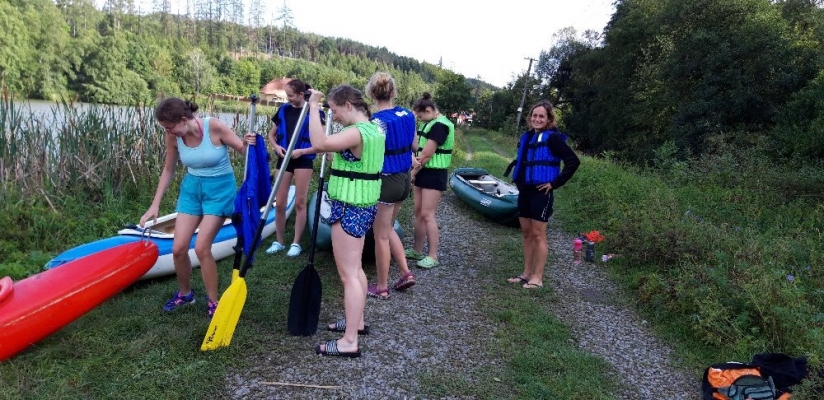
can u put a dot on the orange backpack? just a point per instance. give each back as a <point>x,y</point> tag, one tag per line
<point>738,381</point>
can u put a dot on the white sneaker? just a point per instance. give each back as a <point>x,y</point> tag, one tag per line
<point>294,250</point>
<point>274,248</point>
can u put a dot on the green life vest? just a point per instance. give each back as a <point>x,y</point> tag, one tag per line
<point>443,154</point>
<point>358,182</point>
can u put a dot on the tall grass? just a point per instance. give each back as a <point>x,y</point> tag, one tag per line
<point>75,175</point>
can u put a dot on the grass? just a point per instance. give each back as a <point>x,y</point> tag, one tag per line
<point>714,280</point>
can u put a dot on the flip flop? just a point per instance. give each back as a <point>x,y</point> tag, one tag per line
<point>532,286</point>
<point>340,326</point>
<point>331,349</point>
<point>517,279</point>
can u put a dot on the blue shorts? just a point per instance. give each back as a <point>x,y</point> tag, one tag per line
<point>207,195</point>
<point>354,220</point>
<point>535,205</point>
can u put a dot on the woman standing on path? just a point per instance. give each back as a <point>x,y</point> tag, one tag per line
<point>435,141</point>
<point>299,167</point>
<point>398,124</point>
<point>537,173</point>
<point>207,193</point>
<point>354,188</point>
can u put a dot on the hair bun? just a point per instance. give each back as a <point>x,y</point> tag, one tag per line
<point>427,95</point>
<point>192,106</point>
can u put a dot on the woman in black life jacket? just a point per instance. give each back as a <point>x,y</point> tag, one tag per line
<point>537,173</point>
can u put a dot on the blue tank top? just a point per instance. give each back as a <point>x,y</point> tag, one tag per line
<point>206,159</point>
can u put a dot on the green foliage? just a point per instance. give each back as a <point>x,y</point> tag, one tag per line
<point>452,93</point>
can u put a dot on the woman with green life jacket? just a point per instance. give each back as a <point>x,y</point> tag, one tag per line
<point>436,138</point>
<point>354,188</point>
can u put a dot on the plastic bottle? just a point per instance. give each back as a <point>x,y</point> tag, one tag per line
<point>590,254</point>
<point>577,246</point>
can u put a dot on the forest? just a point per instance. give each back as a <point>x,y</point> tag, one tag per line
<point>123,55</point>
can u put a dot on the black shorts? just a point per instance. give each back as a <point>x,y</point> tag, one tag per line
<point>296,163</point>
<point>535,205</point>
<point>431,178</point>
<point>395,188</point>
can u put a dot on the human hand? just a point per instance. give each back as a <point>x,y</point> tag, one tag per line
<point>545,188</point>
<point>280,151</point>
<point>416,163</point>
<point>151,213</point>
<point>297,153</point>
<point>250,138</point>
<point>315,97</point>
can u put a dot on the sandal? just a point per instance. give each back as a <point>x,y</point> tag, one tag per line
<point>274,248</point>
<point>517,279</point>
<point>411,253</point>
<point>331,349</point>
<point>373,291</point>
<point>294,250</point>
<point>428,262</point>
<point>340,326</point>
<point>406,281</point>
<point>531,286</point>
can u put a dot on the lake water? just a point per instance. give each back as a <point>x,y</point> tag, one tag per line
<point>48,112</point>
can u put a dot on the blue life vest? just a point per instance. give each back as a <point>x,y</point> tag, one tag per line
<point>539,164</point>
<point>303,139</point>
<point>398,124</point>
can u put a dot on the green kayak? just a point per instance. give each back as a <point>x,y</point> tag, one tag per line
<point>324,240</point>
<point>487,194</point>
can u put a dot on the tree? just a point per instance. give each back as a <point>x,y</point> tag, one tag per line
<point>197,74</point>
<point>452,94</point>
<point>16,50</point>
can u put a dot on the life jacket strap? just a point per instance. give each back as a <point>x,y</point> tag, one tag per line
<point>352,175</point>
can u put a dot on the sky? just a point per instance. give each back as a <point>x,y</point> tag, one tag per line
<point>476,38</point>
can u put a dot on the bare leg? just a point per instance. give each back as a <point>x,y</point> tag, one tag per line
<point>420,226</point>
<point>537,233</point>
<point>395,243</point>
<point>282,197</point>
<point>209,227</point>
<point>429,207</point>
<point>383,230</point>
<point>185,226</point>
<point>302,178</point>
<point>529,251</point>
<point>348,251</point>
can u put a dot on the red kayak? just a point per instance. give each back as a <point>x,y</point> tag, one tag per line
<point>42,304</point>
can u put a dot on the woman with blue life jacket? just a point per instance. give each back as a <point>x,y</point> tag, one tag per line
<point>299,167</point>
<point>398,124</point>
<point>207,193</point>
<point>354,189</point>
<point>537,173</point>
<point>436,138</point>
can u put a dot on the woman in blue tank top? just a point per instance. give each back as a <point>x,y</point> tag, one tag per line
<point>206,194</point>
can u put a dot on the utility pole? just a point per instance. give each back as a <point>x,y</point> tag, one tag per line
<point>523,97</point>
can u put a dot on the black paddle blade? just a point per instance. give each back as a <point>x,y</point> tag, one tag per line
<point>304,305</point>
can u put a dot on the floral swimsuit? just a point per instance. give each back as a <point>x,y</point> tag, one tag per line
<point>354,220</point>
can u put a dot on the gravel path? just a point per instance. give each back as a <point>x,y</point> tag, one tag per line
<point>429,328</point>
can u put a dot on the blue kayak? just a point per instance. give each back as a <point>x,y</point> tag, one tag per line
<point>162,234</point>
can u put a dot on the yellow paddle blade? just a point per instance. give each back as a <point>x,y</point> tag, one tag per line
<point>226,316</point>
<point>235,274</point>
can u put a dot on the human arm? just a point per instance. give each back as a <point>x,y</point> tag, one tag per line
<point>166,176</point>
<point>349,138</point>
<point>279,151</point>
<point>311,149</point>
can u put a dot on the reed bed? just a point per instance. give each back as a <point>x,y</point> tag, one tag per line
<point>83,149</point>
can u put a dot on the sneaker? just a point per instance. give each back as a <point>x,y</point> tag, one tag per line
<point>179,300</point>
<point>411,253</point>
<point>274,248</point>
<point>212,309</point>
<point>294,250</point>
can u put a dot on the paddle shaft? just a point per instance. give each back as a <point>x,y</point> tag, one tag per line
<point>319,200</point>
<point>286,158</point>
